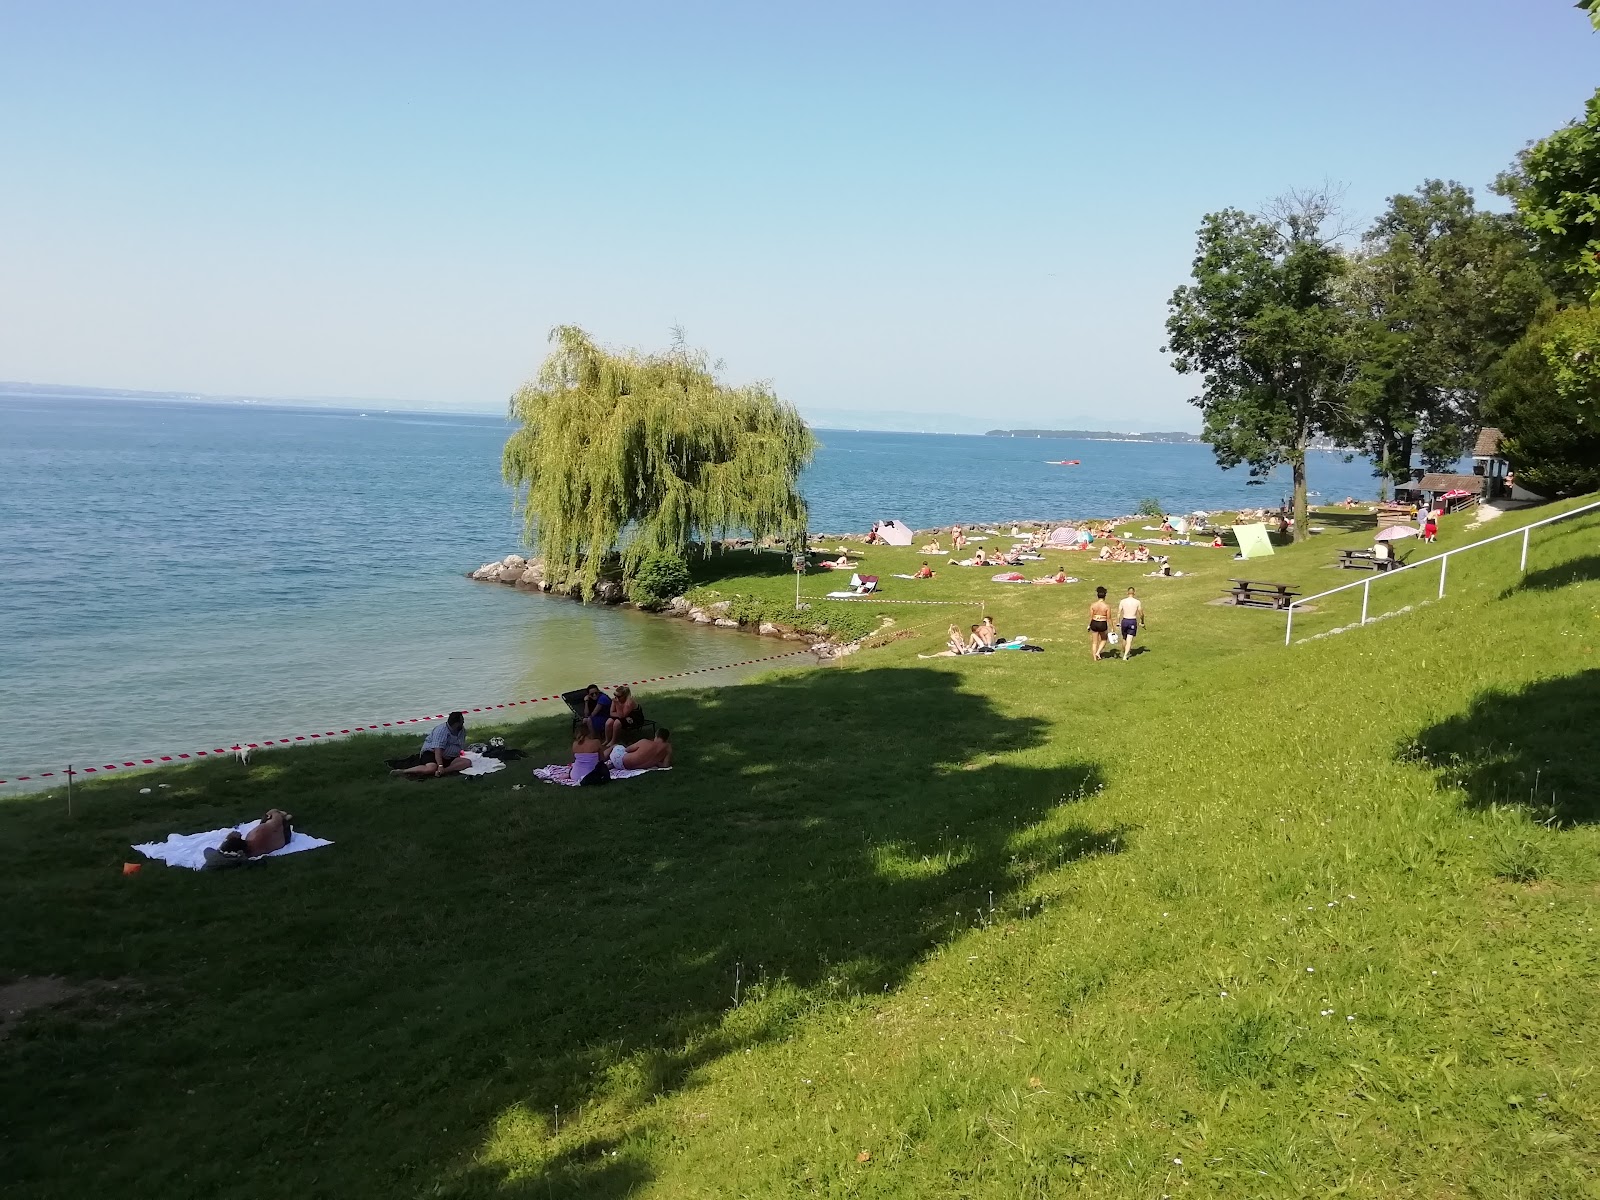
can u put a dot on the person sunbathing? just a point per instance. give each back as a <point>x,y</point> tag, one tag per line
<point>842,563</point>
<point>955,645</point>
<point>933,547</point>
<point>978,560</point>
<point>924,572</point>
<point>587,747</point>
<point>1142,554</point>
<point>626,716</point>
<point>272,833</point>
<point>1105,553</point>
<point>1059,577</point>
<point>443,751</point>
<point>644,755</point>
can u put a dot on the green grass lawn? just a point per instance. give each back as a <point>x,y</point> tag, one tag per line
<point>1229,918</point>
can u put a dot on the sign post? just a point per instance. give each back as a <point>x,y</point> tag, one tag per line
<point>799,570</point>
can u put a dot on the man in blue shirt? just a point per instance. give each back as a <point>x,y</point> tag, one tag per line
<point>442,751</point>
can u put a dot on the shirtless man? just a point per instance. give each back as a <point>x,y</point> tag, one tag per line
<point>271,833</point>
<point>1131,613</point>
<point>1099,623</point>
<point>642,756</point>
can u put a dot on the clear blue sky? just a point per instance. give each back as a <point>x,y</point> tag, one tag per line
<point>973,209</point>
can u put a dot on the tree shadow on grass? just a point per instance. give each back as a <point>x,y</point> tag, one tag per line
<point>1548,579</point>
<point>739,564</point>
<point>417,1007</point>
<point>1535,748</point>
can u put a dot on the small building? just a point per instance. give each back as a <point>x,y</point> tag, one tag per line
<point>1487,463</point>
<point>1446,492</point>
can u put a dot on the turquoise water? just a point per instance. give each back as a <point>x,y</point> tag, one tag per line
<point>176,576</point>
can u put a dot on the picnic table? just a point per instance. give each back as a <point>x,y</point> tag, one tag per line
<point>1361,560</point>
<point>1259,594</point>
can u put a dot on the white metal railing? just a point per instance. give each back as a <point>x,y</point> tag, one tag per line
<point>1444,565</point>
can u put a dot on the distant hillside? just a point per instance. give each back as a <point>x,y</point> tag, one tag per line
<point>1095,435</point>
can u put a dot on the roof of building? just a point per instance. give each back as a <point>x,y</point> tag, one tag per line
<point>1440,482</point>
<point>1488,443</point>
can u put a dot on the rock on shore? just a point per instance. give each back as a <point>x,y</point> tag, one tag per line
<point>516,571</point>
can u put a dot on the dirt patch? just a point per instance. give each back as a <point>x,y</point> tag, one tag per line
<point>22,996</point>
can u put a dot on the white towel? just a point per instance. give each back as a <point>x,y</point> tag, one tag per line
<point>189,849</point>
<point>482,764</point>
<point>560,774</point>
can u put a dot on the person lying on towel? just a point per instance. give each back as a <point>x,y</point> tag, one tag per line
<point>273,833</point>
<point>644,755</point>
<point>442,751</point>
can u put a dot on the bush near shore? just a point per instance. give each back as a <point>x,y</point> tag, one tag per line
<point>1230,917</point>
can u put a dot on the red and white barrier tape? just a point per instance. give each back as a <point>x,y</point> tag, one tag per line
<point>159,759</point>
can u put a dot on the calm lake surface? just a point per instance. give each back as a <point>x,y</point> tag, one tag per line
<point>176,576</point>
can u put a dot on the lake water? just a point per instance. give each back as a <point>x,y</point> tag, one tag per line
<point>177,576</point>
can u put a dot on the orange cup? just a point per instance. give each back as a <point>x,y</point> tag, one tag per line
<point>131,868</point>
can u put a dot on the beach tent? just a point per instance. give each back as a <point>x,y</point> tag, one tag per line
<point>1253,541</point>
<point>896,533</point>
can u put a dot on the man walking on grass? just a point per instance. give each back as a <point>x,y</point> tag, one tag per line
<point>1131,612</point>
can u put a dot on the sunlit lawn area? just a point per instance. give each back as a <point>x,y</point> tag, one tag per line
<point>1230,918</point>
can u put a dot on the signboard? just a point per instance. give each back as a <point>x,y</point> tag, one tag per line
<point>1253,540</point>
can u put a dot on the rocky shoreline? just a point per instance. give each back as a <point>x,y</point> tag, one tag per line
<point>528,575</point>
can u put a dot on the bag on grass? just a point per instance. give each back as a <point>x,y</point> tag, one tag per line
<point>600,774</point>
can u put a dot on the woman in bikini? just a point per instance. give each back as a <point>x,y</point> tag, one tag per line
<point>587,746</point>
<point>1099,623</point>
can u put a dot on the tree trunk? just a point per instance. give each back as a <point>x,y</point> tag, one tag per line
<point>1301,533</point>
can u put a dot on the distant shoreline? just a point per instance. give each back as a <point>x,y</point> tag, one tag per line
<point>1095,435</point>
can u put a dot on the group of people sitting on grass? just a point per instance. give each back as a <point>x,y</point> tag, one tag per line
<point>610,729</point>
<point>982,638</point>
<point>1117,551</point>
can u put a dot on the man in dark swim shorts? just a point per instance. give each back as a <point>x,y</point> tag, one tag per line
<point>1099,623</point>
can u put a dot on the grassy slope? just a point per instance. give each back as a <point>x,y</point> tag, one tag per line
<point>1017,925</point>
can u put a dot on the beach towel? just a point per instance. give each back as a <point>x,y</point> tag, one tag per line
<point>189,849</point>
<point>558,773</point>
<point>482,764</point>
<point>898,576</point>
<point>1007,577</point>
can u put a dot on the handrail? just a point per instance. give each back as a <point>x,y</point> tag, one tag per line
<point>1441,559</point>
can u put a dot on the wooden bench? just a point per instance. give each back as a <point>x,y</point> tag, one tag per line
<point>1258,594</point>
<point>1361,560</point>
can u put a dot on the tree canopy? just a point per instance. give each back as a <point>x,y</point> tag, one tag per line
<point>1263,326</point>
<point>642,453</point>
<point>1555,186</point>
<point>1546,403</point>
<point>1439,290</point>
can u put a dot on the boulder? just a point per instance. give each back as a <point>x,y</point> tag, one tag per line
<point>509,574</point>
<point>514,560</point>
<point>699,616</point>
<point>726,622</point>
<point>609,591</point>
<point>488,572</point>
<point>768,629</point>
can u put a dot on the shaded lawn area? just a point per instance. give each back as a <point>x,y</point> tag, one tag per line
<point>343,1021</point>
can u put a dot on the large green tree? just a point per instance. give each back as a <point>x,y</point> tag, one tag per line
<point>1555,186</point>
<point>1546,403</point>
<point>1440,290</point>
<point>636,453</point>
<point>1263,326</point>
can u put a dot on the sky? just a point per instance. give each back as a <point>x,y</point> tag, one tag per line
<point>923,215</point>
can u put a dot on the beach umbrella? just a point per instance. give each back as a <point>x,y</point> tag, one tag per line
<point>896,533</point>
<point>1395,532</point>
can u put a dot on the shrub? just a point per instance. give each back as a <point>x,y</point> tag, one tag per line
<point>1150,506</point>
<point>661,576</point>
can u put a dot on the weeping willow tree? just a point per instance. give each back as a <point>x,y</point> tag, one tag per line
<point>640,453</point>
